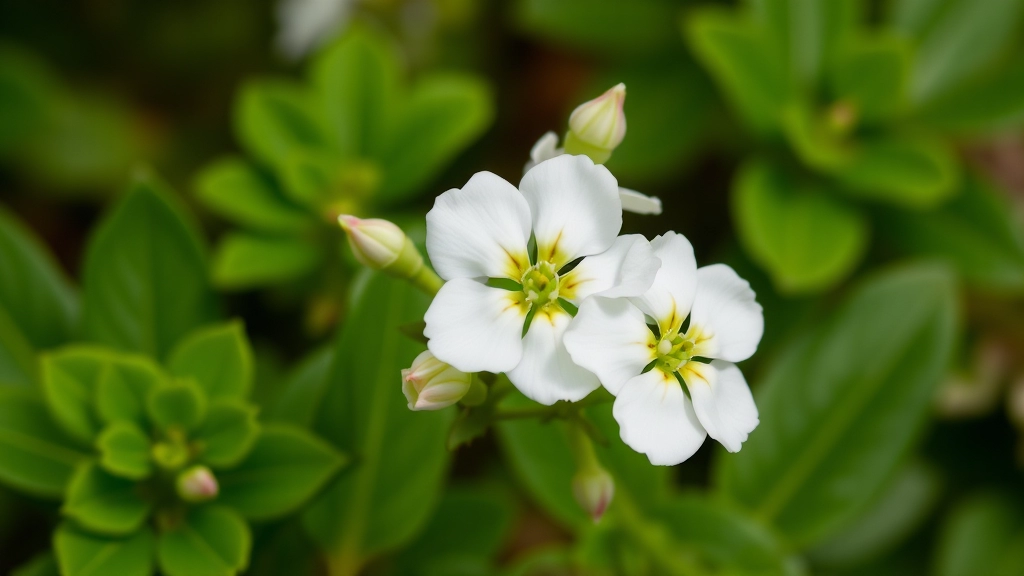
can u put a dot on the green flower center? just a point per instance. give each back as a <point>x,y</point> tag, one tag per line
<point>674,351</point>
<point>540,284</point>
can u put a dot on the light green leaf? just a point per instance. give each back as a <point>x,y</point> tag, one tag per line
<point>246,261</point>
<point>375,507</point>
<point>212,541</point>
<point>274,118</point>
<point>359,79</point>
<point>18,363</point>
<point>35,456</point>
<point>83,554</point>
<point>915,173</point>
<point>977,232</point>
<point>145,283</point>
<point>103,503</point>
<point>443,115</point>
<point>123,388</point>
<point>982,535</point>
<point>228,433</point>
<point>816,142</point>
<point>740,58</point>
<point>806,238</point>
<point>844,405</point>
<point>35,292</point>
<point>284,469</point>
<point>179,403</point>
<point>994,102</point>
<point>237,191</point>
<point>871,75</point>
<point>70,378</point>
<point>806,34</point>
<point>219,358</point>
<point>124,451</point>
<point>303,391</point>
<point>609,27</point>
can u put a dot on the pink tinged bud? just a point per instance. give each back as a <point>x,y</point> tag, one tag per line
<point>376,243</point>
<point>601,122</point>
<point>197,484</point>
<point>430,384</point>
<point>593,489</point>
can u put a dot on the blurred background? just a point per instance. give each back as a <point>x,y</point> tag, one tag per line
<point>815,146</point>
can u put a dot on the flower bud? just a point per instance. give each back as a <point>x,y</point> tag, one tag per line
<point>430,384</point>
<point>382,245</point>
<point>597,127</point>
<point>593,489</point>
<point>197,484</point>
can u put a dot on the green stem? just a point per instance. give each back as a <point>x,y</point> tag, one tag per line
<point>427,280</point>
<point>653,539</point>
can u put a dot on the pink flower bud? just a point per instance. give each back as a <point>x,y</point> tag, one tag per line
<point>430,384</point>
<point>601,122</point>
<point>593,489</point>
<point>197,484</point>
<point>376,243</point>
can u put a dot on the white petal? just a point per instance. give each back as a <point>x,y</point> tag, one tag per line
<point>722,401</point>
<point>545,149</point>
<point>480,230</point>
<point>575,207</point>
<point>609,338</point>
<point>547,374</point>
<point>637,203</point>
<point>656,418</point>
<point>670,297</point>
<point>626,269</point>
<point>475,327</point>
<point>725,312</point>
<point>305,24</point>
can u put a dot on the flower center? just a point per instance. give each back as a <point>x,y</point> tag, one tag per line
<point>674,351</point>
<point>540,283</point>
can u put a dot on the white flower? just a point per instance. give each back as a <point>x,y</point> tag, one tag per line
<point>482,231</point>
<point>306,24</point>
<point>611,338</point>
<point>632,201</point>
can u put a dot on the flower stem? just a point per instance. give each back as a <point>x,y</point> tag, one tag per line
<point>427,280</point>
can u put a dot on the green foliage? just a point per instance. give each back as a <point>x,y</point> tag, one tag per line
<point>124,451</point>
<point>606,26</point>
<point>844,404</point>
<point>211,541</point>
<point>218,358</point>
<point>228,433</point>
<point>982,535</point>
<point>83,554</point>
<point>103,503</point>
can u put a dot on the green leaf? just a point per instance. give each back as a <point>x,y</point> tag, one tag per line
<point>228,433</point>
<point>123,388</point>
<point>18,363</point>
<point>358,78</point>
<point>103,503</point>
<point>219,358</point>
<point>806,238</point>
<point>274,118</point>
<point>993,102</point>
<point>907,172</point>
<point>180,403</point>
<point>35,292</point>
<point>977,232</point>
<point>844,405</point>
<point>303,391</point>
<point>375,507</point>
<point>237,191</point>
<point>444,114</point>
<point>42,565</point>
<point>806,34</point>
<point>284,469</point>
<point>246,261</point>
<point>982,535</point>
<point>83,554</point>
<point>35,455</point>
<point>610,27</point>
<point>213,541</point>
<point>871,75</point>
<point>27,91</point>
<point>904,504</point>
<point>814,139</point>
<point>739,57</point>
<point>145,283</point>
<point>124,451</point>
<point>955,39</point>
<point>70,378</point>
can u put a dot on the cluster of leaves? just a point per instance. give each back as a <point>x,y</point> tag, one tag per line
<point>356,139</point>
<point>109,427</point>
<point>865,116</point>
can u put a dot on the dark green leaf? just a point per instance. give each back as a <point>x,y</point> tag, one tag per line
<point>237,191</point>
<point>219,358</point>
<point>212,541</point>
<point>70,377</point>
<point>246,261</point>
<point>606,26</point>
<point>905,172</point>
<point>42,565</point>
<point>805,34</point>
<point>83,554</point>
<point>35,456</point>
<point>844,404</point>
<point>124,451</point>
<point>145,283</point>
<point>18,363</point>
<point>374,507</point>
<point>805,237</point>
<point>27,90</point>
<point>103,503</point>
<point>284,469</point>
<point>994,102</point>
<point>274,118</point>
<point>303,391</point>
<point>177,404</point>
<point>983,535</point>
<point>228,433</point>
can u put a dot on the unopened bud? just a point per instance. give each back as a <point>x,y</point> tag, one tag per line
<point>197,484</point>
<point>381,245</point>
<point>593,489</point>
<point>430,384</point>
<point>597,127</point>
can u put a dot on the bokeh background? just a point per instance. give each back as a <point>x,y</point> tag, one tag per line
<point>828,150</point>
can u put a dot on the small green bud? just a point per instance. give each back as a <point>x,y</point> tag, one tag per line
<point>197,484</point>
<point>597,127</point>
<point>593,488</point>
<point>381,245</point>
<point>430,384</point>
